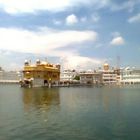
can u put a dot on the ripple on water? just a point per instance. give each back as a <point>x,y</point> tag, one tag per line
<point>69,113</point>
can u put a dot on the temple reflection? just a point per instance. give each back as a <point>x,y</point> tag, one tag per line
<point>40,97</point>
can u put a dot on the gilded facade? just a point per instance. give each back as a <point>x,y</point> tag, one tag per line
<point>40,74</point>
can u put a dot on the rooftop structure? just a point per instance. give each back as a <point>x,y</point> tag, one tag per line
<point>106,66</point>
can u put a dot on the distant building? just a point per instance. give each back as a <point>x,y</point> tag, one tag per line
<point>10,75</point>
<point>67,75</point>
<point>130,76</point>
<point>90,77</point>
<point>40,74</point>
<point>109,76</point>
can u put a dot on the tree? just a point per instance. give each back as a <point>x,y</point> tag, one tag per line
<point>77,77</point>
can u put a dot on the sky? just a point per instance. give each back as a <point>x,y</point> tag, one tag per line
<point>77,34</point>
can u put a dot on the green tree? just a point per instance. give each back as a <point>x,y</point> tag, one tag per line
<point>77,77</point>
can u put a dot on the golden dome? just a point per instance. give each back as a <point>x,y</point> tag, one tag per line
<point>106,66</point>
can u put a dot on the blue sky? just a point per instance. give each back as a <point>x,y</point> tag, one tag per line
<point>75,33</point>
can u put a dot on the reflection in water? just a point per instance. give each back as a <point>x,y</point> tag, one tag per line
<point>40,97</point>
<point>79,113</point>
<point>91,98</point>
<point>113,97</point>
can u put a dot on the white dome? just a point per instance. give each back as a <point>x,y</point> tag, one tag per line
<point>26,61</point>
<point>37,60</point>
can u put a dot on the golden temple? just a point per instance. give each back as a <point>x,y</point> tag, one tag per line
<point>40,74</point>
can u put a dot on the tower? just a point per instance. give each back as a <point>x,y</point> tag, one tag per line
<point>118,62</point>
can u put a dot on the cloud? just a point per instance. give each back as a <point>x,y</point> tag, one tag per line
<point>57,22</point>
<point>95,17</point>
<point>31,6</point>
<point>80,62</point>
<point>44,41</point>
<point>71,19</point>
<point>117,41</point>
<point>134,19</point>
<point>126,5</point>
<point>47,42</point>
<point>115,34</point>
<point>83,19</point>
